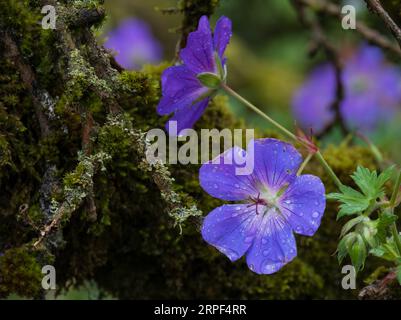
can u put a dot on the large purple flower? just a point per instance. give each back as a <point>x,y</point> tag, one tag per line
<point>275,204</point>
<point>134,44</point>
<point>372,93</point>
<point>187,88</point>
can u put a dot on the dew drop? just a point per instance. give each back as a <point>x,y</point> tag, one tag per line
<point>315,214</point>
<point>248,239</point>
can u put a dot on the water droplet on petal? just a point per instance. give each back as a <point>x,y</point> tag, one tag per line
<point>315,214</point>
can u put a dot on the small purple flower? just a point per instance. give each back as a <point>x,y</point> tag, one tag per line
<point>372,93</point>
<point>275,204</point>
<point>188,88</point>
<point>134,44</point>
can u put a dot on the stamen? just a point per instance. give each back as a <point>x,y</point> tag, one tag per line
<point>256,202</point>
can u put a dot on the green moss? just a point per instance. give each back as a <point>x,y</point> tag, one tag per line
<point>193,10</point>
<point>20,273</point>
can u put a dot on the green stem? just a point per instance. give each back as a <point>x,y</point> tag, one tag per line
<point>395,191</point>
<point>286,132</point>
<point>304,163</point>
<point>328,169</point>
<point>235,95</point>
<point>396,237</point>
<point>393,199</point>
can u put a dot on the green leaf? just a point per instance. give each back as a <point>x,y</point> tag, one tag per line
<point>372,186</point>
<point>387,251</point>
<point>370,183</point>
<point>350,224</point>
<point>383,222</point>
<point>357,252</point>
<point>368,230</point>
<point>398,271</point>
<point>343,246</point>
<point>351,200</point>
<point>209,80</point>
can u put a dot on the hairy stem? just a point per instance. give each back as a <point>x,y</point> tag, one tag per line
<point>396,236</point>
<point>283,130</point>
<point>395,191</point>
<point>304,164</point>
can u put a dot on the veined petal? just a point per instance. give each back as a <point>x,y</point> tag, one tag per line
<point>231,229</point>
<point>273,246</point>
<point>303,204</point>
<point>180,89</point>
<point>222,35</point>
<point>186,117</point>
<point>275,163</point>
<point>220,179</point>
<point>198,54</point>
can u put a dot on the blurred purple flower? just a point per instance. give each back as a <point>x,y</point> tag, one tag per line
<point>372,93</point>
<point>275,204</point>
<point>134,44</point>
<point>184,92</point>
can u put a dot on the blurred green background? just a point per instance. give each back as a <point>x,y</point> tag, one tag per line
<point>268,55</point>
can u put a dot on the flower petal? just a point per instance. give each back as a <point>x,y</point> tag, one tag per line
<point>311,104</point>
<point>219,178</point>
<point>180,89</point>
<point>275,163</point>
<point>198,54</point>
<point>231,229</point>
<point>361,112</point>
<point>186,117</point>
<point>273,246</point>
<point>222,35</point>
<point>303,204</point>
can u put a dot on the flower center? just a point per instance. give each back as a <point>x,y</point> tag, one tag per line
<point>264,201</point>
<point>359,85</point>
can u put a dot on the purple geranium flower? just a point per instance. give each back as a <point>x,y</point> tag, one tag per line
<point>188,88</point>
<point>372,93</point>
<point>275,204</point>
<point>134,44</point>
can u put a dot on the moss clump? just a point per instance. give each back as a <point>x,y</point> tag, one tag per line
<point>20,273</point>
<point>193,10</point>
<point>344,159</point>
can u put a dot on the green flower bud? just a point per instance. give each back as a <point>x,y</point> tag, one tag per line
<point>209,80</point>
